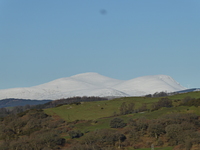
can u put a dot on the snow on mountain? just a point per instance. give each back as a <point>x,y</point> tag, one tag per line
<point>94,84</point>
<point>149,85</point>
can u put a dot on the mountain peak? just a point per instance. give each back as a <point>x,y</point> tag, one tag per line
<point>94,84</point>
<point>86,74</point>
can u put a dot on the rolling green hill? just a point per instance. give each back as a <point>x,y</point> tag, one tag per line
<point>89,117</point>
<point>100,109</point>
<point>95,110</point>
<point>128,123</point>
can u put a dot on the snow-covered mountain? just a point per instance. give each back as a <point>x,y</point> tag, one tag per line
<point>94,84</point>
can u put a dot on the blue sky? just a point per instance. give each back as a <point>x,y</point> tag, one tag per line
<point>44,40</point>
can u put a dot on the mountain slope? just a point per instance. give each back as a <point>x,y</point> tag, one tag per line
<point>94,84</point>
<point>149,85</point>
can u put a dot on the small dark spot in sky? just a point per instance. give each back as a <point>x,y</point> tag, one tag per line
<point>103,11</point>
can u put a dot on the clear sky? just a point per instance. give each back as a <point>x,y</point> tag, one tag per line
<point>43,40</point>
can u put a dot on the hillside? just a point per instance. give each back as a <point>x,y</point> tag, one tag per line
<point>101,109</point>
<point>142,127</point>
<point>94,84</point>
<point>122,123</point>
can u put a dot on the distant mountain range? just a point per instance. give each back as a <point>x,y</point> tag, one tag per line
<point>94,84</point>
<point>12,102</point>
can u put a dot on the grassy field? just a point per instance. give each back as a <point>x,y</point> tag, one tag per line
<point>102,109</point>
<point>98,114</point>
<point>102,123</point>
<point>182,96</point>
<point>95,110</point>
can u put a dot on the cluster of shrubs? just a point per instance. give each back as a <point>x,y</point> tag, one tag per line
<point>32,129</point>
<point>174,129</point>
<point>130,108</point>
<point>163,102</point>
<point>188,101</point>
<point>158,94</point>
<point>75,134</point>
<point>106,139</point>
<point>117,123</point>
<point>169,130</point>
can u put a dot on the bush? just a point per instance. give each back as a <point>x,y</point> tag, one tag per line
<point>188,145</point>
<point>103,138</point>
<point>155,129</point>
<point>191,102</point>
<point>163,102</point>
<point>126,108</point>
<point>160,94</point>
<point>117,123</point>
<point>75,134</point>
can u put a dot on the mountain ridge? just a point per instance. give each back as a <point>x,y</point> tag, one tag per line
<point>94,84</point>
